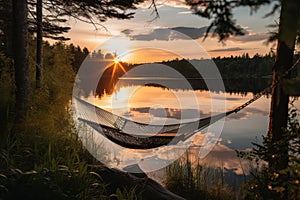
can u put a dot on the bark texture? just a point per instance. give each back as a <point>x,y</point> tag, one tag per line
<point>20,49</point>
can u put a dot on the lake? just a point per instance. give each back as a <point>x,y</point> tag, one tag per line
<point>135,99</point>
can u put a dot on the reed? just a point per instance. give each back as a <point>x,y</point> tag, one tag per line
<point>194,181</point>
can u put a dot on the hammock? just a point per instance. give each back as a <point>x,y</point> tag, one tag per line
<point>137,135</point>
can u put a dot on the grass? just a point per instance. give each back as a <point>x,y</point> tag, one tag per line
<point>43,158</point>
<point>41,155</point>
<point>194,181</point>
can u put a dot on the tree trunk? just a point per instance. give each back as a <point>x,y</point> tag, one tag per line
<point>6,10</point>
<point>39,43</point>
<point>280,99</point>
<point>20,54</point>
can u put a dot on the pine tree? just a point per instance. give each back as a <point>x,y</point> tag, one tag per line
<point>223,25</point>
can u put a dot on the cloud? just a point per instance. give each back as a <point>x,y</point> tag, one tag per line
<point>160,3</point>
<point>87,32</point>
<point>185,12</point>
<point>247,112</point>
<point>250,37</point>
<point>127,32</point>
<point>194,33</point>
<point>156,34</point>
<point>176,3</point>
<point>188,33</point>
<point>167,34</point>
<point>228,49</point>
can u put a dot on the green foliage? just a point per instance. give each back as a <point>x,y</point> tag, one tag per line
<point>126,194</point>
<point>41,157</point>
<point>221,14</point>
<point>62,183</point>
<point>244,66</point>
<point>270,182</point>
<point>233,67</point>
<point>194,181</point>
<point>79,56</point>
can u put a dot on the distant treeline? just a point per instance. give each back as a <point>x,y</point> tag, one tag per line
<point>233,67</point>
<point>245,67</point>
<point>240,74</point>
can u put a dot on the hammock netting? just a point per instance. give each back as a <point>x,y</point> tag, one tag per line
<point>137,135</point>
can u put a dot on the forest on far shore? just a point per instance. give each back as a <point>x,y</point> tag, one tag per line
<point>231,67</point>
<point>240,74</point>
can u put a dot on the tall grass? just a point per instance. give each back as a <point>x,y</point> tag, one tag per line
<point>195,181</point>
<point>41,156</point>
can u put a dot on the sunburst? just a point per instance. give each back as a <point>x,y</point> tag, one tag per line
<point>116,60</point>
<point>117,64</point>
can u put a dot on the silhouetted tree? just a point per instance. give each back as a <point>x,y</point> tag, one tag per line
<point>223,25</point>
<point>6,27</point>
<point>20,54</point>
<point>79,56</point>
<point>39,42</point>
<point>93,12</point>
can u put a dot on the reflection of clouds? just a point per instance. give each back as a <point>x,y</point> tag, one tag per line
<point>228,98</point>
<point>144,109</point>
<point>150,163</point>
<point>172,152</point>
<point>199,139</point>
<point>222,156</point>
<point>247,112</point>
<point>219,156</point>
<point>169,112</point>
<point>210,140</point>
<point>148,160</point>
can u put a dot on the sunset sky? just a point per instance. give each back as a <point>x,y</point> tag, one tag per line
<point>154,41</point>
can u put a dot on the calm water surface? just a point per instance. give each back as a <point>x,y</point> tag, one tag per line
<point>156,104</point>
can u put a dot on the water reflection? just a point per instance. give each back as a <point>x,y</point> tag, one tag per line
<point>114,76</point>
<point>151,103</point>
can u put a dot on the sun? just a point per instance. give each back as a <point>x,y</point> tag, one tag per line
<point>117,65</point>
<point>116,60</point>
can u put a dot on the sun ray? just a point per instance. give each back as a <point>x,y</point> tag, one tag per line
<point>121,67</point>
<point>114,71</point>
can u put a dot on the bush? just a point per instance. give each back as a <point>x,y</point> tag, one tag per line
<point>50,184</point>
<point>269,183</point>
